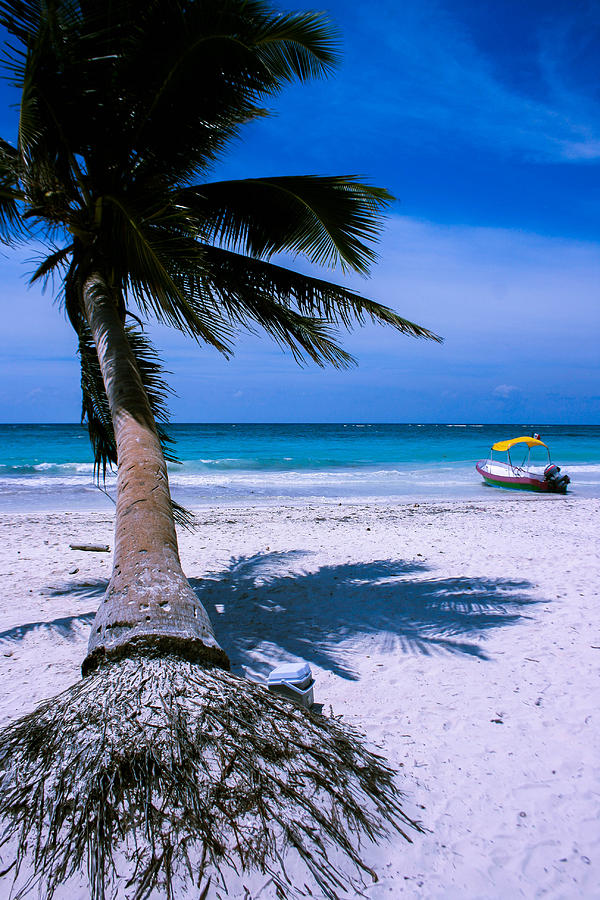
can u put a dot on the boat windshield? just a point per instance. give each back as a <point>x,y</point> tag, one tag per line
<point>524,453</point>
<point>531,457</point>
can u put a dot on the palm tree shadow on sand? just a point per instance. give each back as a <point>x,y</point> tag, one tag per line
<point>66,627</point>
<point>311,614</point>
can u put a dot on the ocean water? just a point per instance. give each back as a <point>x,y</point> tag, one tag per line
<point>50,466</point>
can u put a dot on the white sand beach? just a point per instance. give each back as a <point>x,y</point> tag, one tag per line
<point>462,637</point>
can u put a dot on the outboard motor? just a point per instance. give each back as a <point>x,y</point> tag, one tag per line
<point>557,481</point>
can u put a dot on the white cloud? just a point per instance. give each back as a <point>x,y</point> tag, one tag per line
<point>507,287</point>
<point>505,390</point>
<point>515,309</point>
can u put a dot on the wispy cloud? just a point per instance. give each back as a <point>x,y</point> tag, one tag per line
<point>517,310</point>
<point>501,284</point>
<point>431,76</point>
<point>505,390</point>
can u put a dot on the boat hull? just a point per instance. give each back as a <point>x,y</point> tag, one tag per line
<point>518,482</point>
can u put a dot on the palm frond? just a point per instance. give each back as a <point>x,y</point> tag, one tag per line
<point>21,18</point>
<point>45,70</point>
<point>195,77</point>
<point>249,289</point>
<point>11,195</point>
<point>9,158</point>
<point>148,252</point>
<point>50,263</point>
<point>327,219</point>
<point>308,337</point>
<point>297,45</point>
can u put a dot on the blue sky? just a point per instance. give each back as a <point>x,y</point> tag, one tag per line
<point>483,119</point>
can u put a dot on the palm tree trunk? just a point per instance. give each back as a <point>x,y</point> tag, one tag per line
<point>149,604</point>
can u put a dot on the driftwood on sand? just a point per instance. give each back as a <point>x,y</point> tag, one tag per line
<point>92,548</point>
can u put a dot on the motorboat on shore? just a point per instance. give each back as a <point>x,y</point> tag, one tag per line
<point>525,475</point>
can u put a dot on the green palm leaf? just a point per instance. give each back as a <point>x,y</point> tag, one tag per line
<point>50,263</point>
<point>10,194</point>
<point>249,289</point>
<point>150,256</point>
<point>235,54</point>
<point>293,45</point>
<point>326,219</point>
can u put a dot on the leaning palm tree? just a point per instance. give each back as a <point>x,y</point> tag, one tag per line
<point>161,763</point>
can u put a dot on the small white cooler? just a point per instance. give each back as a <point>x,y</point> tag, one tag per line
<point>293,681</point>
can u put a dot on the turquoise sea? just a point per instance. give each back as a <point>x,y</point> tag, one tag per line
<point>50,466</point>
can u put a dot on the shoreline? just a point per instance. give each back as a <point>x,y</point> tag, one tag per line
<point>458,635</point>
<point>48,467</point>
<point>91,501</point>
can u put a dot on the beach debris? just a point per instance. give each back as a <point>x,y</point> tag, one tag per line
<point>293,681</point>
<point>73,571</point>
<point>91,548</point>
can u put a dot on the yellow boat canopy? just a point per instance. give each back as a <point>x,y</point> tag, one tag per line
<point>530,441</point>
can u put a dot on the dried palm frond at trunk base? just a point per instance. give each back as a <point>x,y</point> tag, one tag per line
<point>156,773</point>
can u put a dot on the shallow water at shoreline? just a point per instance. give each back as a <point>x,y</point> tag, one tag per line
<point>50,466</point>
